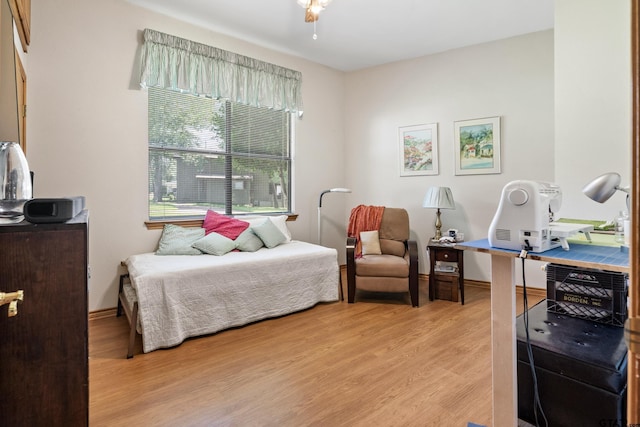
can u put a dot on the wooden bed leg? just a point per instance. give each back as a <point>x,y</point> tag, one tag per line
<point>132,333</point>
<point>122,278</point>
<point>128,305</point>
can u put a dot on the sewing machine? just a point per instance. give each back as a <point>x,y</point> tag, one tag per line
<point>524,219</point>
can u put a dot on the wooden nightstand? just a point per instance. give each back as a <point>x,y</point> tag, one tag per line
<point>444,284</point>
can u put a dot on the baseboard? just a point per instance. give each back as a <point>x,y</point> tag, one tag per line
<point>101,314</point>
<point>535,292</point>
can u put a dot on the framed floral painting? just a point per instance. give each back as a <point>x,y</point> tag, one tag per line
<point>418,149</point>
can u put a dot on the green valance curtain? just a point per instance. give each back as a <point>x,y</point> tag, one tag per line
<point>178,64</point>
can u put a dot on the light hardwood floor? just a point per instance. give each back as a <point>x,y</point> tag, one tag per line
<point>378,362</point>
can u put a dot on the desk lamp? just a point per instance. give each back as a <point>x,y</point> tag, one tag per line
<point>333,190</point>
<point>603,187</point>
<point>438,198</point>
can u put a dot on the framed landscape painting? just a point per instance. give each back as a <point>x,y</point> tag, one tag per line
<point>477,146</point>
<point>418,150</point>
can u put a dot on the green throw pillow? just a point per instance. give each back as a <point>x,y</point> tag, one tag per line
<point>269,233</point>
<point>279,221</point>
<point>247,241</point>
<point>176,240</point>
<point>214,244</point>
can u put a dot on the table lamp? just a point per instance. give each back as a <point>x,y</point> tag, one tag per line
<point>438,198</point>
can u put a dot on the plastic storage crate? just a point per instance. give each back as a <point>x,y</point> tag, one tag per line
<point>596,295</point>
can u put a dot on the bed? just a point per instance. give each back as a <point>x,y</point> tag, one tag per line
<point>177,296</point>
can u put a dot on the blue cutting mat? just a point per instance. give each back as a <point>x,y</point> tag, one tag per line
<point>591,253</point>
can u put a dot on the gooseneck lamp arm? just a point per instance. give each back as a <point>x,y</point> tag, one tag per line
<point>332,190</point>
<point>322,194</point>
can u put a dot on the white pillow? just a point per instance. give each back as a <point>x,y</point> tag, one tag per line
<point>279,221</point>
<point>370,242</point>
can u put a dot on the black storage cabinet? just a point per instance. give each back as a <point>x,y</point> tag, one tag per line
<point>581,368</point>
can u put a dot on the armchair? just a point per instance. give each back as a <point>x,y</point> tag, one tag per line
<point>395,269</point>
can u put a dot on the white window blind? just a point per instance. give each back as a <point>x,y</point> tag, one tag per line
<point>216,154</point>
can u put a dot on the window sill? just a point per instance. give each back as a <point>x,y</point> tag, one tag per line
<point>157,225</point>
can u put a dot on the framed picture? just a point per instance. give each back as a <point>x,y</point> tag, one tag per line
<point>418,150</point>
<point>477,146</point>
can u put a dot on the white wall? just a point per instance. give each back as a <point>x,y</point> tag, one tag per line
<point>565,101</point>
<point>592,101</point>
<point>510,78</point>
<point>87,125</point>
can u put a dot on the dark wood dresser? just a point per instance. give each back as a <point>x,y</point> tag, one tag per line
<point>44,378</point>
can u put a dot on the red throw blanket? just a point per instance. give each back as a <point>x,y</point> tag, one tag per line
<point>364,218</point>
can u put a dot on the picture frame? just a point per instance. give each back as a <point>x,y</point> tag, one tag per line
<point>477,146</point>
<point>418,146</point>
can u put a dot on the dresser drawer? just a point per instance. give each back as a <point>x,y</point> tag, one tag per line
<point>449,255</point>
<point>446,287</point>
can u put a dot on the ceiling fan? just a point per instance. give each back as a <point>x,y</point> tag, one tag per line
<point>313,8</point>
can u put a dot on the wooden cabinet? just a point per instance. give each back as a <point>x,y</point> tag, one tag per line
<point>21,92</point>
<point>21,11</point>
<point>446,273</point>
<point>44,378</point>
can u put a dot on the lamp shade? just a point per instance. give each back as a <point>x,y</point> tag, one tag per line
<point>439,197</point>
<point>603,187</point>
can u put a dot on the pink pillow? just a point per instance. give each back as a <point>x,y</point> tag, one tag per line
<point>222,224</point>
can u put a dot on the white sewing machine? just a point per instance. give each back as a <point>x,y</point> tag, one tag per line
<point>524,219</point>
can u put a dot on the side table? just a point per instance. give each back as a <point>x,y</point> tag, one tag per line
<point>440,282</point>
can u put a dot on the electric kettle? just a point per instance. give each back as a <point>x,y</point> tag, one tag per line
<point>15,182</point>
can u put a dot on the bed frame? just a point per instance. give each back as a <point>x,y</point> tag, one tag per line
<point>168,299</point>
<point>128,303</point>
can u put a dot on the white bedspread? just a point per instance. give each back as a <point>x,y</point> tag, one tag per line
<point>181,296</point>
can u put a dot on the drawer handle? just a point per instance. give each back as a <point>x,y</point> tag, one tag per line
<point>446,255</point>
<point>12,299</point>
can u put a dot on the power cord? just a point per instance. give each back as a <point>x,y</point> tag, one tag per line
<point>537,405</point>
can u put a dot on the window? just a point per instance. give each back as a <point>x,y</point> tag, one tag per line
<point>216,154</point>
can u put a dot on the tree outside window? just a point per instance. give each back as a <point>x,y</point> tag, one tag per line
<point>216,154</point>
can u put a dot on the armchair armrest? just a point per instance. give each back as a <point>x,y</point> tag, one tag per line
<point>351,269</point>
<point>412,246</point>
<point>351,242</point>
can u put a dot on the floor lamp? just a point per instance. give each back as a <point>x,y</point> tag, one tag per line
<point>333,190</point>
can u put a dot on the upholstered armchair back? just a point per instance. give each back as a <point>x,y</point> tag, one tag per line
<point>394,231</point>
